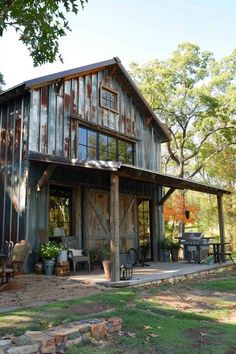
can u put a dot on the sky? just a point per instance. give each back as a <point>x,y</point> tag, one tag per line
<point>133,30</point>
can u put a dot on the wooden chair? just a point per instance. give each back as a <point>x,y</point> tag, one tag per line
<point>78,255</point>
<point>15,263</point>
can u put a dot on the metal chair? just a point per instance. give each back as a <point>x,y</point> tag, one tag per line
<point>76,254</point>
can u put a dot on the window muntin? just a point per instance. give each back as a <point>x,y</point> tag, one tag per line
<point>97,146</point>
<point>109,98</point>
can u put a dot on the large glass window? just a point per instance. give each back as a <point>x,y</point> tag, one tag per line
<point>59,211</point>
<point>144,227</point>
<point>96,146</point>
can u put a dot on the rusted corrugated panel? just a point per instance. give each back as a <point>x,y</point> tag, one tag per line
<point>74,129</point>
<point>11,132</point>
<point>59,123</point>
<point>18,118</point>
<point>81,97</point>
<point>52,121</point>
<point>34,120</point>
<point>99,108</point>
<point>25,112</point>
<point>67,117</point>
<point>88,97</point>
<point>74,101</point>
<point>43,119</point>
<point>94,99</point>
<point>3,133</point>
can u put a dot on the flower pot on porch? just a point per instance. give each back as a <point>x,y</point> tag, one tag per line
<point>49,266</point>
<point>175,255</point>
<point>107,269</point>
<point>62,256</point>
<point>165,255</point>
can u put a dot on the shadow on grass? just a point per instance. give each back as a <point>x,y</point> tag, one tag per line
<point>147,327</point>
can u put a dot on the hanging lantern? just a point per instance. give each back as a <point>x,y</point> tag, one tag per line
<point>187,214</point>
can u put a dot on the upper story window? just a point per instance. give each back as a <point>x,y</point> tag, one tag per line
<point>96,146</point>
<point>109,98</point>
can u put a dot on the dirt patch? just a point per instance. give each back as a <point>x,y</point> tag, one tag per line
<point>200,336</point>
<point>90,308</point>
<point>34,289</point>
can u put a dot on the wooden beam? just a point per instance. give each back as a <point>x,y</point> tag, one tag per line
<point>147,122</point>
<point>114,227</point>
<point>45,177</point>
<point>221,222</point>
<point>166,196</point>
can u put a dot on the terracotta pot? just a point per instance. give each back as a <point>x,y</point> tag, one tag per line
<point>107,269</point>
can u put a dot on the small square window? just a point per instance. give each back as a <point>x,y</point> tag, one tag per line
<point>109,99</point>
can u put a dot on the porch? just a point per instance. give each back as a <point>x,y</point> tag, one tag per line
<point>156,273</point>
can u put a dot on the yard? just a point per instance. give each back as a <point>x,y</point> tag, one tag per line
<point>191,317</point>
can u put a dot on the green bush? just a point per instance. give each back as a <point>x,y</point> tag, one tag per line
<point>49,250</point>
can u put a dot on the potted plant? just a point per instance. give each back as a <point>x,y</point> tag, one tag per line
<point>165,249</point>
<point>48,251</point>
<point>106,262</point>
<point>174,249</point>
<point>63,253</point>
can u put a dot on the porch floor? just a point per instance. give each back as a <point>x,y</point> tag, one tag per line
<point>153,273</point>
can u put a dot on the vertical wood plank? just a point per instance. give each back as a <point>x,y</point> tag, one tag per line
<point>59,124</point>
<point>43,120</point>
<point>114,227</point>
<point>52,121</point>
<point>34,120</point>
<point>81,97</point>
<point>67,117</point>
<point>74,100</point>
<point>94,99</point>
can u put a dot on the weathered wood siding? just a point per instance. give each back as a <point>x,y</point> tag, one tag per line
<point>54,131</point>
<point>13,168</point>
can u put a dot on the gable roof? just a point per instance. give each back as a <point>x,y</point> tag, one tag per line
<point>119,70</point>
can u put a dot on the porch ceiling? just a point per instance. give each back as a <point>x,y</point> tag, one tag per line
<point>131,172</point>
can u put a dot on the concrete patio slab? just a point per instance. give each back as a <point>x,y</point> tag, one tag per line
<point>153,273</point>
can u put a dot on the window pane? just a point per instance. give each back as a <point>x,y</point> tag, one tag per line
<point>102,142</point>
<point>92,139</point>
<point>92,153</point>
<point>82,153</point>
<point>103,155</point>
<point>122,148</point>
<point>83,136</point>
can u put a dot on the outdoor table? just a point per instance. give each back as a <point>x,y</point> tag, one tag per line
<point>217,250</point>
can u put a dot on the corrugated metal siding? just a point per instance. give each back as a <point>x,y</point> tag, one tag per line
<point>53,131</point>
<point>13,168</point>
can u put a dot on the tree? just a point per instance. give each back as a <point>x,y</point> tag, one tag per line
<point>194,96</point>
<point>2,83</point>
<point>40,24</point>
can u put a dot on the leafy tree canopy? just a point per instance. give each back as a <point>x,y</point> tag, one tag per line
<point>40,24</point>
<point>2,83</point>
<point>194,95</point>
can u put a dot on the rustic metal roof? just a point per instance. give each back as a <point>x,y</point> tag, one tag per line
<point>122,74</point>
<point>168,181</point>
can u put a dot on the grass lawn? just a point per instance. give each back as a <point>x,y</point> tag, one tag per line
<point>196,317</point>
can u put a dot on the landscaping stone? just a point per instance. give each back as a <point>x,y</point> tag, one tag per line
<point>56,340</point>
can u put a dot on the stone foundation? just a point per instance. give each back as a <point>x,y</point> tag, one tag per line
<point>56,340</point>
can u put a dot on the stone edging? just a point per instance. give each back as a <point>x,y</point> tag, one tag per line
<point>186,277</point>
<point>56,340</point>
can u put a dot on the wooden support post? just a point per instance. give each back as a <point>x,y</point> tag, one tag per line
<point>221,222</point>
<point>114,227</point>
<point>45,177</point>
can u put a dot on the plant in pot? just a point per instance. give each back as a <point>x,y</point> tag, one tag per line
<point>174,249</point>
<point>63,253</point>
<point>165,245</point>
<point>106,261</point>
<point>48,251</point>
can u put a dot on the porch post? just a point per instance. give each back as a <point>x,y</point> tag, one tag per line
<point>114,227</point>
<point>221,222</point>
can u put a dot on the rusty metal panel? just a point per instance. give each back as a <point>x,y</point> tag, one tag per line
<point>34,120</point>
<point>4,113</point>
<point>43,120</point>
<point>81,97</point>
<point>88,97</point>
<point>74,129</point>
<point>18,129</point>
<point>10,132</point>
<point>94,99</point>
<point>59,122</point>
<point>52,121</point>
<point>99,108</point>
<point>25,112</point>
<point>74,101</point>
<point>67,117</point>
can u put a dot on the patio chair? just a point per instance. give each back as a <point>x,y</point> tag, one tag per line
<point>76,254</point>
<point>15,263</point>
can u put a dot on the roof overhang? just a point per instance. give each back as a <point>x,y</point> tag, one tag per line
<point>131,172</point>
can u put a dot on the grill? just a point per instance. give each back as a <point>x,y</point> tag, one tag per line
<point>195,246</point>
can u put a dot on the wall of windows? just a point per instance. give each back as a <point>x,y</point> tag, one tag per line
<point>96,146</point>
